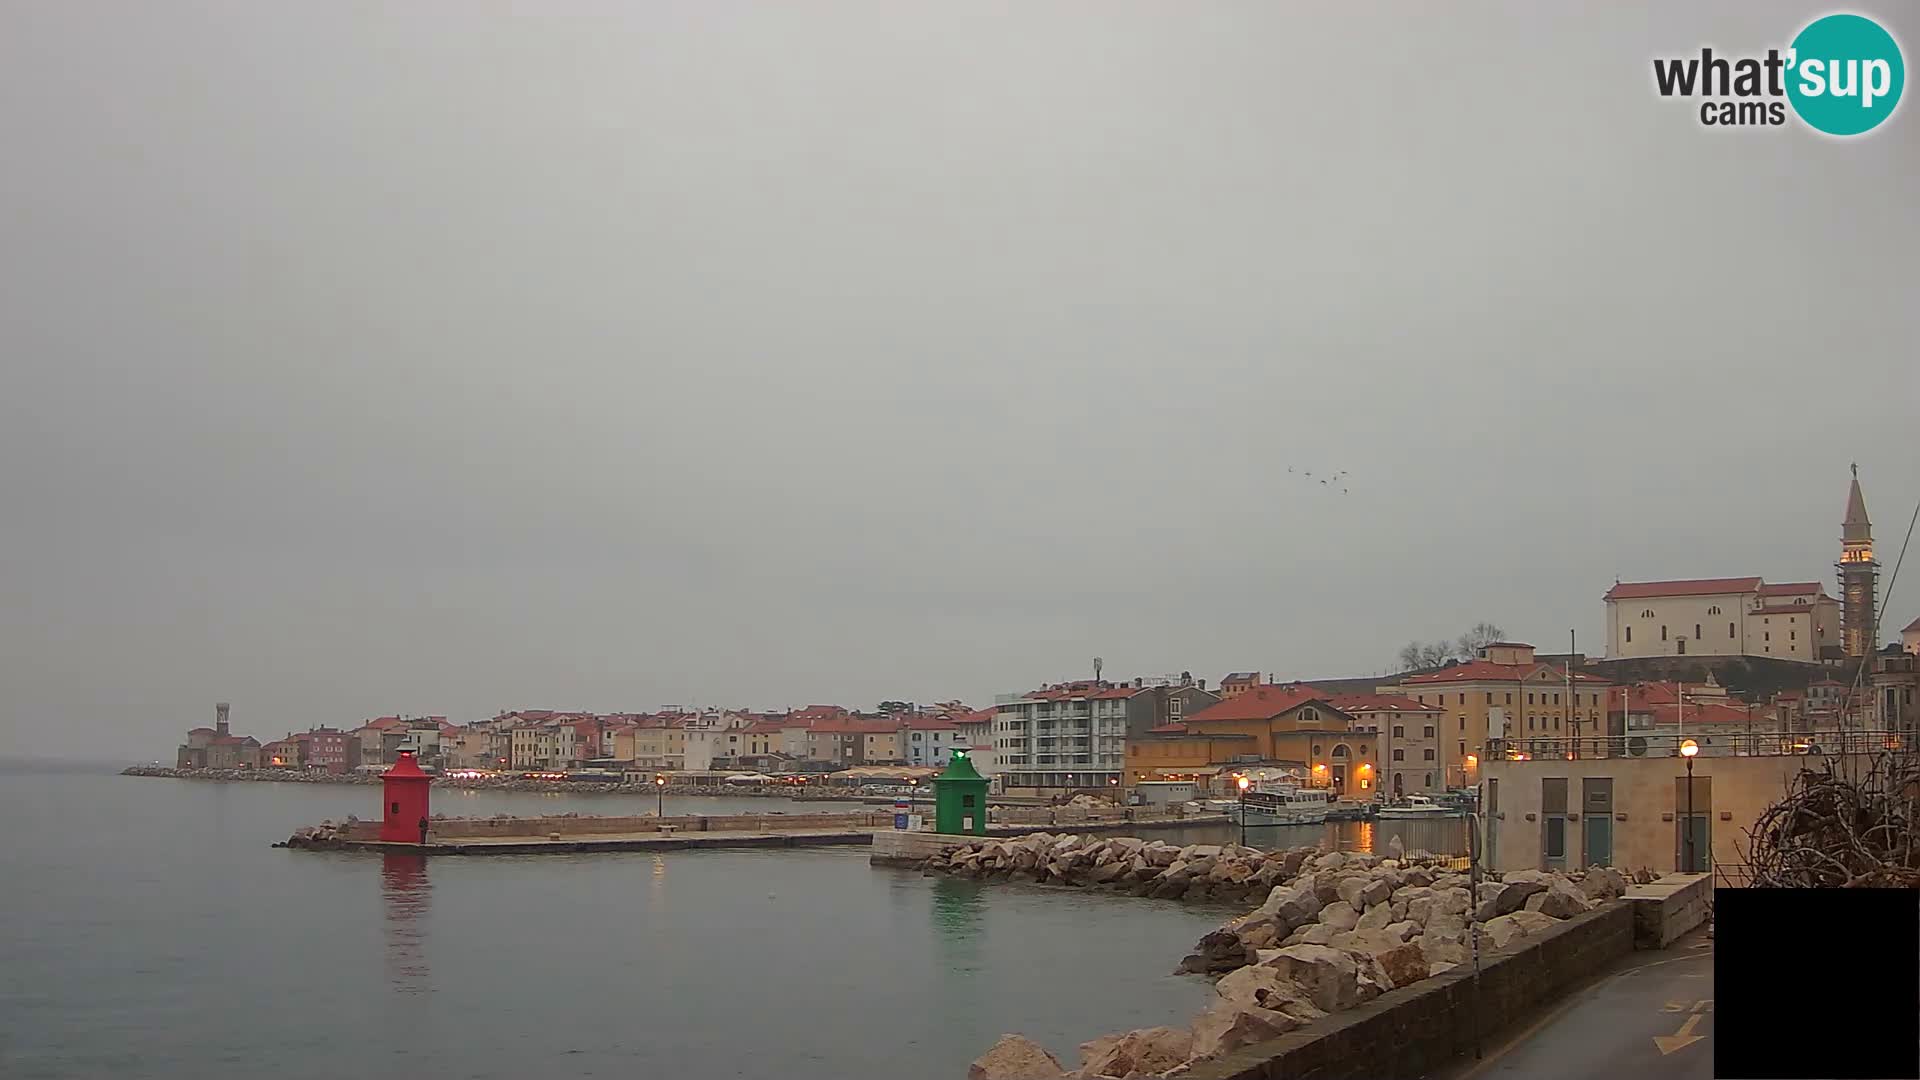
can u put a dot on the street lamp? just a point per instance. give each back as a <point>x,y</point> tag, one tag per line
<point>660,789</point>
<point>1688,750</point>
<point>1242,781</point>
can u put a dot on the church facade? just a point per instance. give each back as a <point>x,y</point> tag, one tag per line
<point>1748,616</point>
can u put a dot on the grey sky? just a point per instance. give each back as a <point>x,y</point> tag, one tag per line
<point>446,357</point>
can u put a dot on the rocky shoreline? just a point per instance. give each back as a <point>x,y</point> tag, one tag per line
<point>499,783</point>
<point>1333,931</point>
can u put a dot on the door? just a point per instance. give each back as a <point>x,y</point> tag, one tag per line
<point>1555,852</point>
<point>1599,839</point>
<point>1695,859</point>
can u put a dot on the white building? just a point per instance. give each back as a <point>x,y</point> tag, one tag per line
<point>1721,617</point>
<point>1065,737</point>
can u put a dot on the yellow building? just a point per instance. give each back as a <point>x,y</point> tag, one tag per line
<point>1274,725</point>
<point>1505,693</point>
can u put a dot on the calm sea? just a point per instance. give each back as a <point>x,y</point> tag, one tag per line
<point>148,929</point>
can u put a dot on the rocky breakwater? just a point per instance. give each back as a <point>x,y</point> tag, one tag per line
<point>1337,933</point>
<point>503,783</point>
<point>1195,873</point>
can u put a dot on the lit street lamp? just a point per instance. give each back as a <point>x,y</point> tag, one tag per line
<point>1242,781</point>
<point>1688,749</point>
<point>660,789</point>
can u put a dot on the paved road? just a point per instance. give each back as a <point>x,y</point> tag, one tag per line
<point>1650,1017</point>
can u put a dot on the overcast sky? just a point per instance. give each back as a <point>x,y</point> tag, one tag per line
<point>448,357</point>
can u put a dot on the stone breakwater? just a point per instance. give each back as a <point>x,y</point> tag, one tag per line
<point>1334,930</point>
<point>498,783</point>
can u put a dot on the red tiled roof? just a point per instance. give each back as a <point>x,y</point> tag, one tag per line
<point>849,725</point>
<point>1634,590</point>
<point>1359,703</point>
<point>929,723</point>
<point>1260,703</point>
<point>977,716</point>
<point>1912,627</point>
<point>764,727</point>
<point>1790,588</point>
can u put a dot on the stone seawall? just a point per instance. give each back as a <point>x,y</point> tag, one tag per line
<point>1416,1030</point>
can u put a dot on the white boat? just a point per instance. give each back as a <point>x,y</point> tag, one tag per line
<point>1416,806</point>
<point>1284,805</point>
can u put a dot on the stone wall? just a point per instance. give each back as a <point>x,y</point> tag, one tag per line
<point>1416,1030</point>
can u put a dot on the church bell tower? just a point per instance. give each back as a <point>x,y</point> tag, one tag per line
<point>1859,575</point>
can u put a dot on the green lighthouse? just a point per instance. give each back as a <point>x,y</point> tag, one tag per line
<point>960,798</point>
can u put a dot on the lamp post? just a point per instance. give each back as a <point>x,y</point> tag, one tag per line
<point>660,790</point>
<point>1242,781</point>
<point>1687,750</point>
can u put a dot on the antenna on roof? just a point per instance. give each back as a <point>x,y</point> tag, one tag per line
<point>1097,665</point>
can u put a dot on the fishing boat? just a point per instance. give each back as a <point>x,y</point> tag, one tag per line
<point>1283,805</point>
<point>1417,806</point>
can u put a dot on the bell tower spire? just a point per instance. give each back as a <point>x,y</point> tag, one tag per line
<point>1859,575</point>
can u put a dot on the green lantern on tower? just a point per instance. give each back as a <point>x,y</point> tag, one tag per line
<point>960,798</point>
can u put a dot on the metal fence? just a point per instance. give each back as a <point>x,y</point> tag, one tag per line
<point>1716,742</point>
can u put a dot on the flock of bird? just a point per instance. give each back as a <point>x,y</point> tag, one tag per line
<point>1338,479</point>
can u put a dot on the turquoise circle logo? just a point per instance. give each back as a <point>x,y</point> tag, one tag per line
<point>1846,74</point>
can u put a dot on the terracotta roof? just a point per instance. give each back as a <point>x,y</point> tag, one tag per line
<point>1507,645</point>
<point>764,727</point>
<point>1359,703</point>
<point>1635,590</point>
<point>1790,588</point>
<point>929,723</point>
<point>977,716</point>
<point>1240,676</point>
<point>1488,671</point>
<point>1260,703</point>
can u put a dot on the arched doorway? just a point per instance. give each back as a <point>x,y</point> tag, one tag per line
<point>1342,763</point>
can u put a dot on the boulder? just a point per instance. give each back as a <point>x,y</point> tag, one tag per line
<point>1364,942</point>
<point>1377,917</point>
<point>1225,1027</point>
<point>1339,916</point>
<point>1148,1051</point>
<point>1219,951</point>
<point>1329,976</point>
<point>1449,952</point>
<point>1107,873</point>
<point>1332,860</point>
<point>1439,967</point>
<point>1351,889</point>
<point>1016,1057</point>
<point>1603,883</point>
<point>1404,929</point>
<point>1562,900</point>
<point>1445,924</point>
<point>1314,934</point>
<point>1259,933</point>
<point>1264,987</point>
<point>1532,922</point>
<point>1452,901</point>
<point>1502,931</point>
<point>1513,896</point>
<point>1375,891</point>
<point>1405,963</point>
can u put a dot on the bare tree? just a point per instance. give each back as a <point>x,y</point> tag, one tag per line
<point>1482,635</point>
<point>1415,655</point>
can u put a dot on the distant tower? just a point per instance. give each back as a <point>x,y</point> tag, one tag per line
<point>220,717</point>
<point>1859,575</point>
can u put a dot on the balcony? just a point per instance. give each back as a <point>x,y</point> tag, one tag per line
<point>1711,743</point>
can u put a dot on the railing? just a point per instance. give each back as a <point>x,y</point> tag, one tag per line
<point>1716,742</point>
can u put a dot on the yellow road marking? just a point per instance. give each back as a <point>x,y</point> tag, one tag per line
<point>1681,1039</point>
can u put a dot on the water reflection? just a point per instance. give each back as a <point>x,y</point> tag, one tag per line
<point>407,892</point>
<point>1441,836</point>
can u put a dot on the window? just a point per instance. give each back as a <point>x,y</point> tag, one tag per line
<point>1489,697</point>
<point>1663,633</point>
<point>1529,699</point>
<point>1647,614</point>
<point>1429,779</point>
<point>1463,723</point>
<point>1556,837</point>
<point>1729,629</point>
<point>1427,753</point>
<point>1767,636</point>
<point>1529,723</point>
<point>1463,749</point>
<point>1340,751</point>
<point>1696,631</point>
<point>1556,723</point>
<point>1399,731</point>
<point>1316,749</point>
<point>1399,755</point>
<point>1429,732</point>
<point>1463,699</point>
<point>1714,610</point>
<point>1556,699</point>
<point>1307,716</point>
<point>1629,633</point>
<point>1174,705</point>
<point>916,736</point>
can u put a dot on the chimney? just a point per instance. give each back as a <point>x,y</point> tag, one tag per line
<point>220,717</point>
<point>1203,684</point>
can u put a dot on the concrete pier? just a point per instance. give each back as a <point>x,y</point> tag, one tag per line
<point>588,842</point>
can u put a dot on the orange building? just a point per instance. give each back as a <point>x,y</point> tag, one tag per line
<point>1284,726</point>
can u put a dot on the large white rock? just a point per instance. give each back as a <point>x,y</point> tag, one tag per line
<point>1146,1051</point>
<point>1328,975</point>
<point>1016,1057</point>
<point>1226,1026</point>
<point>1264,987</point>
<point>1377,917</point>
<point>1339,916</point>
<point>1603,883</point>
<point>1562,900</point>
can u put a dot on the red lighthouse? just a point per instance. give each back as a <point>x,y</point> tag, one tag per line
<point>405,794</point>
